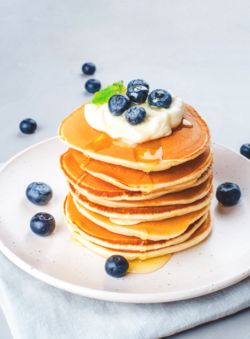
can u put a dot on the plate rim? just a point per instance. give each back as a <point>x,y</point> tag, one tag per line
<point>118,296</point>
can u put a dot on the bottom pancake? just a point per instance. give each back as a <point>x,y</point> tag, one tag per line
<point>153,230</point>
<point>100,236</point>
<point>198,236</point>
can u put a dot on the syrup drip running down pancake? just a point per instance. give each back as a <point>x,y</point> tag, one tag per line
<point>183,145</point>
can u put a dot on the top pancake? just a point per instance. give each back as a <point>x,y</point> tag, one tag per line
<point>184,144</point>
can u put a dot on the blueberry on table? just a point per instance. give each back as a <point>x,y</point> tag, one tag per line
<point>28,126</point>
<point>245,150</point>
<point>228,194</point>
<point>116,266</point>
<point>137,94</point>
<point>160,98</point>
<point>137,82</point>
<point>88,68</point>
<point>93,85</point>
<point>39,193</point>
<point>118,104</point>
<point>42,224</point>
<point>135,115</point>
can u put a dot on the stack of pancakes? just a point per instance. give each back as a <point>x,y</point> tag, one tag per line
<point>140,201</point>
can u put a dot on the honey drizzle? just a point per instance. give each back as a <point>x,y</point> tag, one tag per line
<point>143,235</point>
<point>149,265</point>
<point>74,242</point>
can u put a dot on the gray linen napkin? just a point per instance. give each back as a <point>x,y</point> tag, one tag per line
<point>35,310</point>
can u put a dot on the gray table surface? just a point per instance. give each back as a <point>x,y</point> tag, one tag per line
<point>198,49</point>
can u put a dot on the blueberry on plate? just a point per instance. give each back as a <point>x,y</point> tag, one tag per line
<point>245,150</point>
<point>116,266</point>
<point>138,82</point>
<point>93,85</point>
<point>88,68</point>
<point>137,94</point>
<point>160,98</point>
<point>118,104</point>
<point>42,224</point>
<point>135,115</point>
<point>39,193</point>
<point>28,126</point>
<point>228,194</point>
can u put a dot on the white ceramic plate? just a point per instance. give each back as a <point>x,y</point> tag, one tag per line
<point>222,260</point>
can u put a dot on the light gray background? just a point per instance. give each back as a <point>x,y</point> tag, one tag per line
<point>198,49</point>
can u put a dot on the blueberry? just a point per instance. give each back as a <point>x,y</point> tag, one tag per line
<point>88,68</point>
<point>138,82</point>
<point>93,85</point>
<point>160,98</point>
<point>245,150</point>
<point>228,194</point>
<point>135,115</point>
<point>42,224</point>
<point>116,266</point>
<point>118,104</point>
<point>137,94</point>
<point>39,193</point>
<point>28,126</point>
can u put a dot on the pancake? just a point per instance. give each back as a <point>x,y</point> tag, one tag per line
<point>135,180</point>
<point>76,222</point>
<point>198,236</point>
<point>183,145</point>
<point>96,188</point>
<point>183,197</point>
<point>152,230</point>
<point>144,213</point>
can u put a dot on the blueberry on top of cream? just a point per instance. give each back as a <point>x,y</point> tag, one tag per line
<point>137,94</point>
<point>138,82</point>
<point>160,98</point>
<point>118,104</point>
<point>135,115</point>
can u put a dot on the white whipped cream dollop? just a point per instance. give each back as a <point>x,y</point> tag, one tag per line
<point>159,122</point>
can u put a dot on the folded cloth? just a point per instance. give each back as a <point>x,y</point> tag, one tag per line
<point>35,310</point>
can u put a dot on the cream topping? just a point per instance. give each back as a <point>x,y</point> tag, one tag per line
<point>159,122</point>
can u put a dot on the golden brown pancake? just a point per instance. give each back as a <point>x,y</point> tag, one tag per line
<point>144,213</point>
<point>94,187</point>
<point>136,180</point>
<point>152,230</point>
<point>183,197</point>
<point>199,235</point>
<point>183,145</point>
<point>100,236</point>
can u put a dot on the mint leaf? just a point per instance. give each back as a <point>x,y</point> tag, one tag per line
<point>105,94</point>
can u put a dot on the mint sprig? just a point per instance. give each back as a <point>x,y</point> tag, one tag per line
<point>105,94</point>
